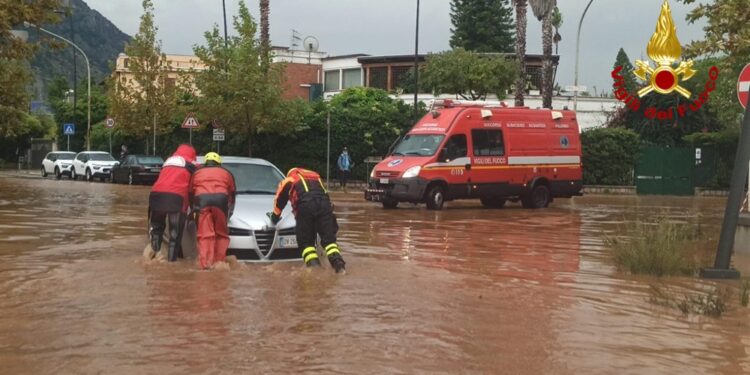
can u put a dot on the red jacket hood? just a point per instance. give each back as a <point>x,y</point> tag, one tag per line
<point>187,152</point>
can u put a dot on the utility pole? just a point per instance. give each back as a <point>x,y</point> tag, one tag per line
<point>416,66</point>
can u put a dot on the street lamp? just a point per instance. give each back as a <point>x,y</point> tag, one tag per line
<point>88,73</point>
<point>578,40</point>
<point>416,65</point>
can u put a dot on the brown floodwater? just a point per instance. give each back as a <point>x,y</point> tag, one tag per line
<point>463,290</point>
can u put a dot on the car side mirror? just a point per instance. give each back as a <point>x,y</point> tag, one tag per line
<point>443,155</point>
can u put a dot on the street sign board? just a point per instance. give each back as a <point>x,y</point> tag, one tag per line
<point>110,122</point>
<point>69,129</point>
<point>218,135</point>
<point>743,84</point>
<point>575,88</point>
<point>190,122</point>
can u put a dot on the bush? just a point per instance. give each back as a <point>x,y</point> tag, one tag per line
<point>609,156</point>
<point>660,248</point>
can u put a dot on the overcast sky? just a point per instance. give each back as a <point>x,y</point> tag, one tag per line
<point>386,27</point>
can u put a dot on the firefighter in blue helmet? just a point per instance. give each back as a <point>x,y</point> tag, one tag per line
<point>313,212</point>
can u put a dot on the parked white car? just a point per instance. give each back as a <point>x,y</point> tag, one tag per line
<point>58,163</point>
<point>252,236</point>
<point>92,164</point>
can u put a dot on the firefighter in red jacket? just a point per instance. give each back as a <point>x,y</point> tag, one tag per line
<point>169,200</point>
<point>313,212</point>
<point>213,192</point>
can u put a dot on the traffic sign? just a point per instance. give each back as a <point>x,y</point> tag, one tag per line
<point>218,135</point>
<point>190,122</point>
<point>69,129</point>
<point>110,122</point>
<point>743,84</point>
<point>216,124</point>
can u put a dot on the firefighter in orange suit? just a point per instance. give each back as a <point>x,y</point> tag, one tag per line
<point>213,192</point>
<point>313,212</point>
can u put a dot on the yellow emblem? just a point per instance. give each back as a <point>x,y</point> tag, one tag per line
<point>664,48</point>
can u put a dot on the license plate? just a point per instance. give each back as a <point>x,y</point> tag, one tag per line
<point>384,180</point>
<point>287,241</point>
<point>154,169</point>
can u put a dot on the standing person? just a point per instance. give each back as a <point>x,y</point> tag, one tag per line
<point>345,166</point>
<point>314,214</point>
<point>169,200</point>
<point>213,191</point>
<point>123,153</point>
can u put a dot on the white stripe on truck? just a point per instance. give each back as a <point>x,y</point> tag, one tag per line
<point>513,160</point>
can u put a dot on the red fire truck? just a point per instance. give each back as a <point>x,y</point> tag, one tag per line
<point>470,150</point>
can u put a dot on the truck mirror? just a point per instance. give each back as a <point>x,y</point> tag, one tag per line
<point>443,155</point>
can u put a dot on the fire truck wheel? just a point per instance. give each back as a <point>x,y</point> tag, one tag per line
<point>538,198</point>
<point>435,197</point>
<point>390,203</point>
<point>493,202</point>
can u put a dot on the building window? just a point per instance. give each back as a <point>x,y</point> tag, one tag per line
<point>379,78</point>
<point>352,78</point>
<point>401,78</point>
<point>126,63</point>
<point>332,81</point>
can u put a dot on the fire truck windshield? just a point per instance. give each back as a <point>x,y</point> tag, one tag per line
<point>419,145</point>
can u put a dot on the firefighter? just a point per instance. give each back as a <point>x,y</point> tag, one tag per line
<point>169,201</point>
<point>213,194</point>
<point>314,214</point>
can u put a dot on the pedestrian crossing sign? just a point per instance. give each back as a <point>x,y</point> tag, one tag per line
<point>69,129</point>
<point>190,122</point>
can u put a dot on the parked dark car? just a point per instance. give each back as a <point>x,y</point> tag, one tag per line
<point>137,169</point>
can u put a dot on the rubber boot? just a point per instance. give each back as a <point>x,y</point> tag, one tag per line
<point>313,263</point>
<point>174,237</point>
<point>337,262</point>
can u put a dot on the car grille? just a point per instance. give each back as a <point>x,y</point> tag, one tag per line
<point>239,232</point>
<point>264,238</point>
<point>287,232</point>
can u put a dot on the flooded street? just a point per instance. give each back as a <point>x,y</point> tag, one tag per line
<point>463,290</point>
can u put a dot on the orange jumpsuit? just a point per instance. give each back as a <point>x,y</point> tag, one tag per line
<point>213,191</point>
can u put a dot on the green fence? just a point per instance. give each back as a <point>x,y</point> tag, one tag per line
<point>667,171</point>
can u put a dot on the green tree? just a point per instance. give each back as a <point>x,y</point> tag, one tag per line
<point>557,21</point>
<point>623,60</point>
<point>543,10</point>
<point>520,85</point>
<point>468,74</point>
<point>609,156</point>
<point>146,103</point>
<point>14,99</point>
<point>12,16</point>
<point>482,25</point>
<point>235,88</point>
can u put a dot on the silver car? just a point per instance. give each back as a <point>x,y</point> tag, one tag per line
<point>252,236</point>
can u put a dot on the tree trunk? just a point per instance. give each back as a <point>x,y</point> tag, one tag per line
<point>521,50</point>
<point>249,133</point>
<point>547,61</point>
<point>265,39</point>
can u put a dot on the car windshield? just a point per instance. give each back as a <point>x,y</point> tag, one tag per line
<point>254,178</point>
<point>419,145</point>
<point>150,160</point>
<point>65,156</point>
<point>101,157</point>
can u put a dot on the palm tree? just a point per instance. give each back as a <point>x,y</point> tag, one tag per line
<point>557,21</point>
<point>520,50</point>
<point>264,37</point>
<point>543,11</point>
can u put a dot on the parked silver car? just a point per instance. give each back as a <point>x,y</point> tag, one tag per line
<point>252,236</point>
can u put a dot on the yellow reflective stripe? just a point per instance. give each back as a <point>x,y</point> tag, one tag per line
<point>303,181</point>
<point>310,257</point>
<point>323,186</point>
<point>307,251</point>
<point>331,245</point>
<point>332,251</point>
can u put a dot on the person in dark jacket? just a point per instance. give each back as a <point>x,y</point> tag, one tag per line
<point>212,191</point>
<point>313,212</point>
<point>168,200</point>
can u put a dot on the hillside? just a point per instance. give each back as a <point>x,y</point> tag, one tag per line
<point>101,40</point>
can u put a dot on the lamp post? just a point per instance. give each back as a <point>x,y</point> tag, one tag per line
<point>578,41</point>
<point>88,73</point>
<point>416,66</point>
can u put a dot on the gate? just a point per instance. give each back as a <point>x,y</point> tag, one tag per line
<point>665,171</point>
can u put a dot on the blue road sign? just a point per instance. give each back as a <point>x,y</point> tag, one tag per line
<point>69,129</point>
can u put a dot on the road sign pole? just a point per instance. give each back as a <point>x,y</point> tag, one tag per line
<point>721,268</point>
<point>191,136</point>
<point>68,143</point>
<point>110,141</point>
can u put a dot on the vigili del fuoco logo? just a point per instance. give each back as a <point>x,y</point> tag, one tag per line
<point>664,49</point>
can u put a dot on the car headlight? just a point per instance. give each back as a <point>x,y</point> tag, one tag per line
<point>372,174</point>
<point>412,172</point>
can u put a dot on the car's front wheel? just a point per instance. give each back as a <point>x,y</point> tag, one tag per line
<point>88,175</point>
<point>58,175</point>
<point>436,197</point>
<point>112,177</point>
<point>130,178</point>
<point>389,203</point>
<point>73,175</point>
<point>44,172</point>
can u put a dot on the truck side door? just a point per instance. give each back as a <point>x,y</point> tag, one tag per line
<point>456,157</point>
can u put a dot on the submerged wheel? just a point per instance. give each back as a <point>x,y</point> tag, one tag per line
<point>112,177</point>
<point>130,178</point>
<point>73,175</point>
<point>538,198</point>
<point>493,202</point>
<point>88,176</point>
<point>435,197</point>
<point>44,172</point>
<point>390,203</point>
<point>58,175</point>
